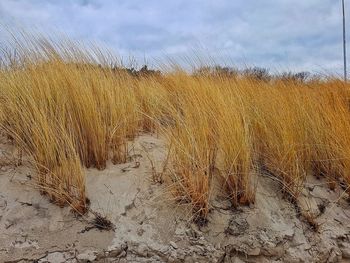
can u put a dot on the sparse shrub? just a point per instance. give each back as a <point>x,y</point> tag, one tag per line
<point>257,73</point>
<point>291,76</point>
<point>216,71</point>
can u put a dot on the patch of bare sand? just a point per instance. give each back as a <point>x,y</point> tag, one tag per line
<point>151,227</point>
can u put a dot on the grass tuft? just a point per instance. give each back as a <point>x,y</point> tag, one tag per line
<point>68,108</point>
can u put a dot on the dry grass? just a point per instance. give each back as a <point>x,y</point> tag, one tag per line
<point>66,111</point>
<point>66,114</point>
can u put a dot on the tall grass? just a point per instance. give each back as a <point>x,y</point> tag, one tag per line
<point>66,111</point>
<point>67,108</point>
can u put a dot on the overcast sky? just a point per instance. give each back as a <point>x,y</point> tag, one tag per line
<point>279,34</point>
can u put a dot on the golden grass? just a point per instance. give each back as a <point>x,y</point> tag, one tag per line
<point>66,112</point>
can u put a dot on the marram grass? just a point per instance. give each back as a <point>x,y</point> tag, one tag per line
<point>66,111</point>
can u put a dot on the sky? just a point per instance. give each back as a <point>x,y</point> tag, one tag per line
<point>278,34</point>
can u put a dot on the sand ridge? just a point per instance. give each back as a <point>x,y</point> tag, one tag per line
<point>150,227</point>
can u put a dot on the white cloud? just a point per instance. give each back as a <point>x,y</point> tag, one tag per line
<point>287,34</point>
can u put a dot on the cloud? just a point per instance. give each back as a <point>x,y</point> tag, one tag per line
<point>285,34</point>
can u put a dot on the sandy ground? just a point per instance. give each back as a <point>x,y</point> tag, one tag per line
<point>151,227</point>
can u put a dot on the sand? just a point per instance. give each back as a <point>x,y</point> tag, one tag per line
<point>149,226</point>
